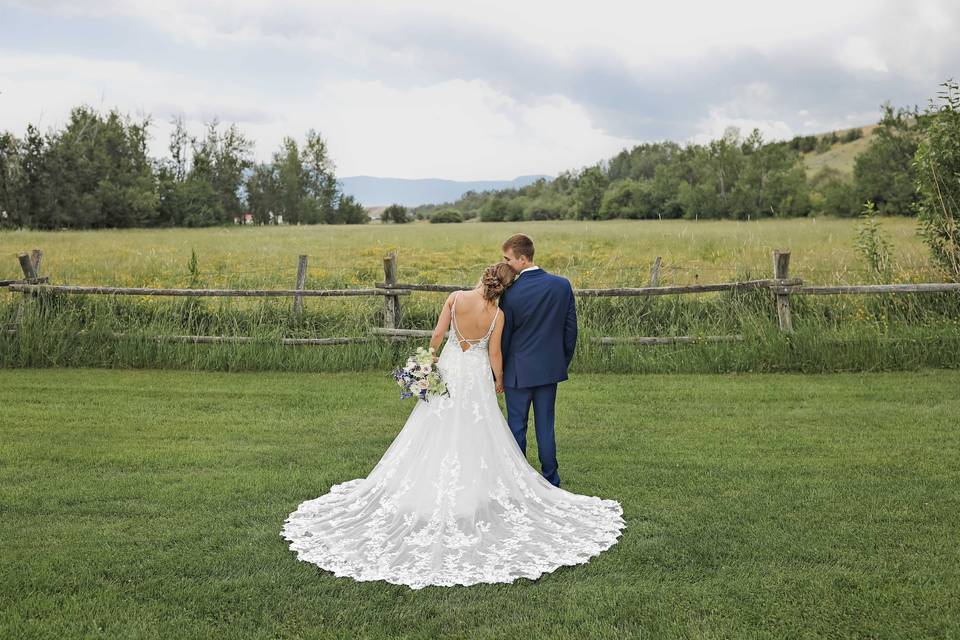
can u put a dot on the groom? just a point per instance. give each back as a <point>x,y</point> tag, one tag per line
<point>539,338</point>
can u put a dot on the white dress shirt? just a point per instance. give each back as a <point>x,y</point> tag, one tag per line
<point>527,269</point>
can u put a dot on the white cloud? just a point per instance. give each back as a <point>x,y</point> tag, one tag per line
<point>861,54</point>
<point>642,35</point>
<point>717,121</point>
<point>425,88</point>
<point>454,129</point>
<point>753,107</point>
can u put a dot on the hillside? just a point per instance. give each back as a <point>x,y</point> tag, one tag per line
<point>841,155</point>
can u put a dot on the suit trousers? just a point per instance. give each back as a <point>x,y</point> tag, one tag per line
<point>543,399</point>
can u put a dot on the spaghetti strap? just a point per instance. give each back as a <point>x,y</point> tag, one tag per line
<point>459,336</point>
<point>453,321</point>
<point>453,313</point>
<point>493,322</point>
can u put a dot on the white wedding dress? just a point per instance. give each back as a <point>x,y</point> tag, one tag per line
<point>453,501</point>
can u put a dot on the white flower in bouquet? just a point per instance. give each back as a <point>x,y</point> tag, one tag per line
<point>418,377</point>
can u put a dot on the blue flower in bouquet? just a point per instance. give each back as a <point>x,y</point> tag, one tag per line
<point>419,377</point>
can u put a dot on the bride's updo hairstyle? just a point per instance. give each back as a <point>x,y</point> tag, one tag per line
<point>495,280</point>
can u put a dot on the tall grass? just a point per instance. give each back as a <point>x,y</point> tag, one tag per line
<point>833,333</point>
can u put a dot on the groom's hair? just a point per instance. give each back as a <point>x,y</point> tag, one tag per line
<point>521,245</point>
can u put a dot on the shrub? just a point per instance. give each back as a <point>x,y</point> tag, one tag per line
<point>853,134</point>
<point>873,244</point>
<point>396,213</point>
<point>446,215</point>
<point>824,144</point>
<point>807,144</point>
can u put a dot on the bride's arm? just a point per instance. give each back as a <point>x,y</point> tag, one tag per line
<point>496,354</point>
<point>443,325</point>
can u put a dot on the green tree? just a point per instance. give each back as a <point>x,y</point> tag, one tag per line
<point>503,206</point>
<point>94,173</point>
<point>395,213</point>
<point>628,199</point>
<point>221,159</point>
<point>771,182</point>
<point>37,196</point>
<point>263,192</point>
<point>588,195</point>
<point>197,203</point>
<point>884,173</point>
<point>715,169</point>
<point>937,165</point>
<point>834,194</point>
<point>665,189</point>
<point>495,209</point>
<point>11,181</point>
<point>641,162</point>
<point>349,211</point>
<point>547,206</point>
<point>291,192</point>
<point>319,183</point>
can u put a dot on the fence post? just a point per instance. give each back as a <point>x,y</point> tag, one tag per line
<point>655,273</point>
<point>781,269</point>
<point>301,280</point>
<point>391,304</point>
<point>27,265</point>
<point>30,265</point>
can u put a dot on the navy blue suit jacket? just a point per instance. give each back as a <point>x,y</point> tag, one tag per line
<point>539,329</point>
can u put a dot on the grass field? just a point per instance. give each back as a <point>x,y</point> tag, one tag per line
<point>591,254</point>
<point>834,333</point>
<point>148,504</point>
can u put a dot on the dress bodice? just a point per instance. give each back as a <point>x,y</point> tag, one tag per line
<point>479,344</point>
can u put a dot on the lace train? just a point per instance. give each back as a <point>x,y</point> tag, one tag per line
<point>452,501</point>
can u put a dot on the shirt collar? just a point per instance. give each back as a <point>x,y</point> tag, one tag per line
<point>527,269</point>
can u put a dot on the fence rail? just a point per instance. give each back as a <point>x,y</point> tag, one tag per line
<point>227,293</point>
<point>781,287</point>
<point>929,287</point>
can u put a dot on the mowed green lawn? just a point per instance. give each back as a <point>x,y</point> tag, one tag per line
<point>149,504</point>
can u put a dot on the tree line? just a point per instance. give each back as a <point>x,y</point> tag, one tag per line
<point>95,172</point>
<point>732,177</point>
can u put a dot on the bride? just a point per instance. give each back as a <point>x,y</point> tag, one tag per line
<point>453,501</point>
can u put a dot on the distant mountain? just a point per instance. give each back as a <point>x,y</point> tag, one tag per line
<point>375,192</point>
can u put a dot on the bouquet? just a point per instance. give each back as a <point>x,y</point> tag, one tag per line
<point>418,377</point>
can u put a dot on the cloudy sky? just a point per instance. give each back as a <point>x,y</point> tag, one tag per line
<point>471,90</point>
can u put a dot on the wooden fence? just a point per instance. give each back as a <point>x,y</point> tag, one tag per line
<point>781,286</point>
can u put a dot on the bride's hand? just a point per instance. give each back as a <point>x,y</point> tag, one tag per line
<point>499,387</point>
